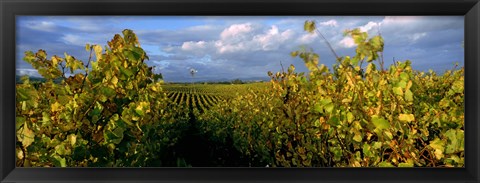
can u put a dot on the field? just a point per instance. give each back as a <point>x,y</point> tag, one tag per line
<point>116,112</point>
<point>203,96</point>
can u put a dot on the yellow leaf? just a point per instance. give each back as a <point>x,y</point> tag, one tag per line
<point>438,154</point>
<point>114,80</point>
<point>55,61</point>
<point>73,139</point>
<point>139,107</point>
<point>28,136</point>
<point>19,153</point>
<point>87,47</point>
<point>98,51</point>
<point>56,106</point>
<point>154,88</point>
<point>406,117</point>
<point>409,85</point>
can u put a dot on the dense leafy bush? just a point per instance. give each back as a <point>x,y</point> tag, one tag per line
<point>112,114</point>
<point>348,116</point>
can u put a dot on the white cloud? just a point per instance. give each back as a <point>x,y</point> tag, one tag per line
<point>417,36</point>
<point>159,65</point>
<point>307,38</point>
<point>190,46</point>
<point>241,38</point>
<point>347,42</point>
<point>331,23</point>
<point>223,47</point>
<point>400,19</point>
<point>168,48</point>
<point>369,26</point>
<point>236,30</point>
<point>273,38</point>
<point>45,26</point>
<point>28,72</point>
<point>201,28</point>
<point>73,39</point>
<point>90,24</point>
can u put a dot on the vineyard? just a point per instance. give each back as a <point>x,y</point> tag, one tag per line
<point>112,112</point>
<point>203,96</point>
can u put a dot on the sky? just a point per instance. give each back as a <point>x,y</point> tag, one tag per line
<point>242,47</point>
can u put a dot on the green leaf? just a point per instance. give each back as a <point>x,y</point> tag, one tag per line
<point>377,43</point>
<point>334,121</point>
<point>398,91</point>
<point>138,53</point>
<point>458,86</point>
<point>439,147</point>
<point>437,144</point>
<point>107,91</point>
<point>377,145</point>
<point>329,107</point>
<point>402,84</point>
<point>126,72</point>
<point>114,134</point>
<point>19,122</point>
<point>357,137</point>
<point>455,141</point>
<point>23,94</point>
<point>326,101</point>
<point>367,150</point>
<point>385,164</point>
<point>60,149</point>
<point>404,76</point>
<point>59,161</point>
<point>350,117</point>
<point>45,118</point>
<point>380,122</point>
<point>408,96</point>
<point>139,110</point>
<point>79,153</point>
<point>29,57</point>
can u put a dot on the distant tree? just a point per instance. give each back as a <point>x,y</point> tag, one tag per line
<point>158,76</point>
<point>237,81</point>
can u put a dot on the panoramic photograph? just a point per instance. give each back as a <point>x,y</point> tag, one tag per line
<point>240,91</point>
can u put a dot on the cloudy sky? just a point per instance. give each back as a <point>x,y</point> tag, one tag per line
<point>231,47</point>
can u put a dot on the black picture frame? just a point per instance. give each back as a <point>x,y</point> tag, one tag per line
<point>11,8</point>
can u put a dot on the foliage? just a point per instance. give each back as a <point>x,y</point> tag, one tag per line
<point>112,114</point>
<point>348,116</point>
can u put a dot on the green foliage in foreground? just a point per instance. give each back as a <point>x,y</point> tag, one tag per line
<point>348,116</point>
<point>112,114</point>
